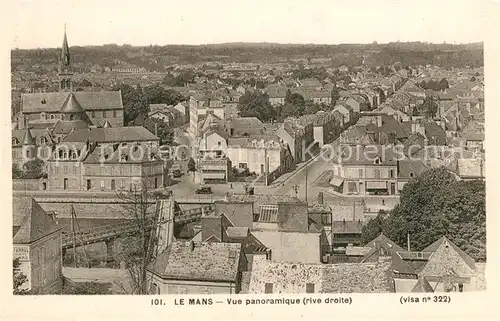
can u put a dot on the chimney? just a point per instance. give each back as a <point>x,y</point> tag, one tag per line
<point>268,255</point>
<point>320,198</point>
<point>413,128</point>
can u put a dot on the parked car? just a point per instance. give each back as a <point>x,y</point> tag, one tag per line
<point>204,190</point>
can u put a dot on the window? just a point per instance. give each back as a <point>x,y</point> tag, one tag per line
<point>460,287</point>
<point>360,173</point>
<point>412,174</point>
<point>310,288</point>
<point>181,290</point>
<point>92,114</point>
<point>391,173</point>
<point>102,185</point>
<point>113,184</point>
<point>352,187</point>
<point>242,165</point>
<point>52,116</point>
<point>74,169</point>
<point>268,288</point>
<point>326,219</point>
<point>377,173</point>
<point>65,169</point>
<point>43,116</point>
<point>114,113</point>
<point>104,114</point>
<point>43,140</point>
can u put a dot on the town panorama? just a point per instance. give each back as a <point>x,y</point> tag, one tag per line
<point>248,168</point>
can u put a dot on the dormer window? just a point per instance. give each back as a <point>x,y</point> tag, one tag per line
<point>376,160</point>
<point>43,102</point>
<point>14,141</point>
<point>412,174</point>
<point>43,140</point>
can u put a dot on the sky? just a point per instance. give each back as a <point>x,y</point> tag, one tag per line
<point>40,23</point>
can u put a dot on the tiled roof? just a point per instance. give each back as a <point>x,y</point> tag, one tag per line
<point>443,242</point>
<point>256,141</point>
<point>111,135</point>
<point>357,278</point>
<point>88,100</point>
<point>30,221</point>
<point>212,261</point>
<point>422,286</point>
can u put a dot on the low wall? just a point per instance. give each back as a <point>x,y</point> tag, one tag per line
<point>25,184</point>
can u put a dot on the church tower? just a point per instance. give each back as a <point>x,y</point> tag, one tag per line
<point>65,72</point>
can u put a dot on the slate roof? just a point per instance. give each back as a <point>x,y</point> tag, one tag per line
<point>407,166</point>
<point>112,134</point>
<point>71,105</point>
<point>205,261</point>
<point>30,221</point>
<point>131,157</point>
<point>435,132</point>
<point>250,125</point>
<point>65,126</point>
<point>363,155</point>
<point>88,100</point>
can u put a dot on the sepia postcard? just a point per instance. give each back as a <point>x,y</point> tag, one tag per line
<point>249,159</point>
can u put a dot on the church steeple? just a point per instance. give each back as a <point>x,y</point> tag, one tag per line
<point>65,72</point>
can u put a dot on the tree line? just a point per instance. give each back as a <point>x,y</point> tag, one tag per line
<point>433,205</point>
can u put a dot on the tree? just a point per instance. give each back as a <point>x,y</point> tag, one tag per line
<point>16,171</point>
<point>18,278</point>
<point>311,108</point>
<point>33,169</point>
<point>435,205</point>
<point>159,128</point>
<point>191,165</point>
<point>443,84</point>
<point>86,288</point>
<point>335,95</point>
<point>140,249</point>
<point>429,107</point>
<point>256,104</point>
<point>294,105</point>
<point>156,94</point>
<point>134,104</point>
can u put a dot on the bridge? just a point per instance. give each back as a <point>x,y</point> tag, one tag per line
<point>108,233</point>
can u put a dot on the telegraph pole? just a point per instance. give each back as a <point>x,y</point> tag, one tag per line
<point>306,184</point>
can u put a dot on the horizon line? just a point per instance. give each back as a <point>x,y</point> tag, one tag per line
<point>259,42</point>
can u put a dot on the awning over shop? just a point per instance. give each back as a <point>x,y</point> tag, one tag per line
<point>376,185</point>
<point>214,175</point>
<point>336,181</point>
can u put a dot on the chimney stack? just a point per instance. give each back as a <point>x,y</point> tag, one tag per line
<point>320,198</point>
<point>268,254</point>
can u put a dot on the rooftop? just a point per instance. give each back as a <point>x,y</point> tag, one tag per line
<point>200,261</point>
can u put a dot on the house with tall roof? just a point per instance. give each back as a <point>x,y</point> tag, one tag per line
<point>37,242</point>
<point>106,159</point>
<point>198,268</point>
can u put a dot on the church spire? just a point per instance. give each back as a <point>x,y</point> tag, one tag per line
<point>65,56</point>
<point>65,73</point>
